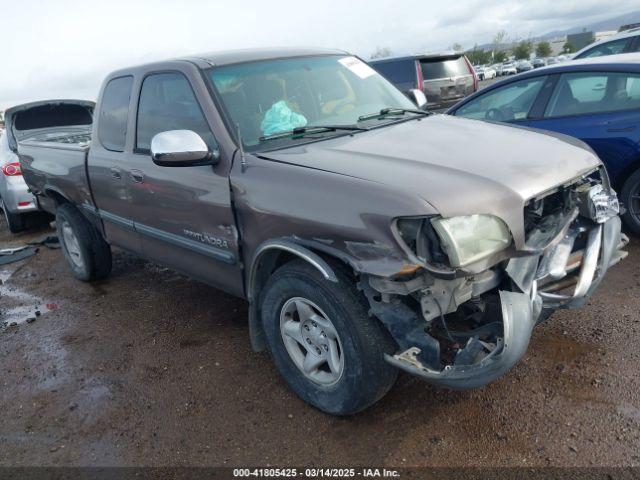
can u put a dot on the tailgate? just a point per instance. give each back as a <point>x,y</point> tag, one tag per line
<point>448,88</point>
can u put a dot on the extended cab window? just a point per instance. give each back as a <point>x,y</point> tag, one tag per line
<point>167,102</point>
<point>587,93</point>
<point>509,103</point>
<point>112,128</point>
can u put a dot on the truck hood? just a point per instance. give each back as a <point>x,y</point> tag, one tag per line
<point>457,165</point>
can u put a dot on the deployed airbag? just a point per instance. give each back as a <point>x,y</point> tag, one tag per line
<point>280,118</point>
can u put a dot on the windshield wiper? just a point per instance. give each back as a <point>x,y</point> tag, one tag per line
<point>385,112</point>
<point>311,129</point>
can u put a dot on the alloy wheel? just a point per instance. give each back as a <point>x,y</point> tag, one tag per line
<point>311,341</point>
<point>71,245</point>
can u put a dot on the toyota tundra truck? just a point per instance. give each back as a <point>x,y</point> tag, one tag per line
<point>365,233</point>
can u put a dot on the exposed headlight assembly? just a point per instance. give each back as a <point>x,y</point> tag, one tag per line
<point>470,238</point>
<point>419,236</point>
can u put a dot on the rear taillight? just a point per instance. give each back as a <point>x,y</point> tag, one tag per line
<point>474,73</point>
<point>11,169</point>
<point>419,76</point>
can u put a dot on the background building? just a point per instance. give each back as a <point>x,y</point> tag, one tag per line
<point>580,40</point>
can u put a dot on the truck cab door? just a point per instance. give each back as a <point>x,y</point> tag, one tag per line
<point>107,164</point>
<point>183,214</point>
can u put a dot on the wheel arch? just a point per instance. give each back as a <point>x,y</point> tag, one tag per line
<point>270,255</point>
<point>56,196</point>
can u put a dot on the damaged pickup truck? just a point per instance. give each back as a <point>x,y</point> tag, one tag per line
<point>365,233</point>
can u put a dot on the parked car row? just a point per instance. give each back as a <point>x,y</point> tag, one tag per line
<point>506,68</point>
<point>484,72</point>
<point>367,234</point>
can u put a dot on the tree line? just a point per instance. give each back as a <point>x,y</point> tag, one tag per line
<point>520,51</point>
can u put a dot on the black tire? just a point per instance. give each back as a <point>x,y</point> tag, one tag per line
<point>366,376</point>
<point>15,221</point>
<point>630,189</point>
<point>93,252</point>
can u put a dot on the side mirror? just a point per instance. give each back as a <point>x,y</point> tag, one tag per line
<point>181,148</point>
<point>418,98</point>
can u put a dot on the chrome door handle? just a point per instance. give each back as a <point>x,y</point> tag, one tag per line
<point>137,176</point>
<point>115,173</point>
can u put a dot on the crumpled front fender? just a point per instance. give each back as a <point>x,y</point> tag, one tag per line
<point>519,314</point>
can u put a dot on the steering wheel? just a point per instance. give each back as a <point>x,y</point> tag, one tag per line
<point>494,115</point>
<point>340,105</point>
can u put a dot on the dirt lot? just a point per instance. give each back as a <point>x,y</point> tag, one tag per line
<point>150,368</point>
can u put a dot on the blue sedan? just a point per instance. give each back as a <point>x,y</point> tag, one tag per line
<point>596,100</point>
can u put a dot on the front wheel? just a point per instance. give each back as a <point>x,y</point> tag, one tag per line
<point>327,348</point>
<point>630,197</point>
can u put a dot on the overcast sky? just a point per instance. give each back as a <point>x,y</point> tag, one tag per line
<point>63,48</point>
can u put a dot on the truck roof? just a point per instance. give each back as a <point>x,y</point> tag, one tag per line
<point>227,57</point>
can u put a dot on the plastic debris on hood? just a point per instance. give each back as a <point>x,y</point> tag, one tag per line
<point>280,118</point>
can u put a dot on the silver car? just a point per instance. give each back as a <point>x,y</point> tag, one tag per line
<point>15,199</point>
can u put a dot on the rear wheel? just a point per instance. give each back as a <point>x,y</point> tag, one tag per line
<point>86,252</point>
<point>327,348</point>
<point>15,221</point>
<point>630,197</point>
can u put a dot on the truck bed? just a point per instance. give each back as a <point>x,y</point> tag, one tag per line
<point>73,137</point>
<point>54,164</point>
<point>51,139</point>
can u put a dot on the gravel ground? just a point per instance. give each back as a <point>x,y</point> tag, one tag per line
<point>150,368</point>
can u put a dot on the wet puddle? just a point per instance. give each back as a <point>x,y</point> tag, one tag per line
<point>19,306</point>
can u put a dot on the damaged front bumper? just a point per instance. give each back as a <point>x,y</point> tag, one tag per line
<point>518,322</point>
<point>562,274</point>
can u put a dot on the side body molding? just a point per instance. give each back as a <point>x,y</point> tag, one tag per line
<point>285,245</point>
